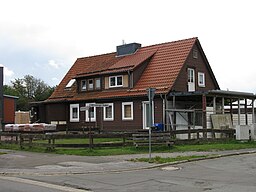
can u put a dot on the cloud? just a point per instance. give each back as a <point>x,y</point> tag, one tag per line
<point>53,64</point>
<point>55,79</point>
<point>7,73</point>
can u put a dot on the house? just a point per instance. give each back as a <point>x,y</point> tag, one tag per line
<point>7,105</point>
<point>120,81</point>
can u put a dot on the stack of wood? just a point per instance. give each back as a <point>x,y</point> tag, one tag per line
<point>36,127</point>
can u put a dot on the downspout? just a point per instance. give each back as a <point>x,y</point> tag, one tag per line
<point>164,112</point>
<point>130,77</point>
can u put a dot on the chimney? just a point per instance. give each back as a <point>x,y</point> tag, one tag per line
<point>127,49</point>
<point>1,96</point>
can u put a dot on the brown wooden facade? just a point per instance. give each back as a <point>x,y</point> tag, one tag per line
<point>164,67</point>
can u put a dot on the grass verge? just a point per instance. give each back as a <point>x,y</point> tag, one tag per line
<point>162,160</point>
<point>106,151</point>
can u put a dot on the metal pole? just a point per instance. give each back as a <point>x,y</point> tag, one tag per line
<point>150,124</point>
<point>90,129</point>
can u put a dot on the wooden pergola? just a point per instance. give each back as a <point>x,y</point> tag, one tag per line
<point>220,101</point>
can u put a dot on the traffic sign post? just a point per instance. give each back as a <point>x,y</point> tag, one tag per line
<point>151,94</point>
<point>88,109</point>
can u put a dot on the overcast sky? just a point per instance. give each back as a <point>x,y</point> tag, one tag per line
<point>43,38</point>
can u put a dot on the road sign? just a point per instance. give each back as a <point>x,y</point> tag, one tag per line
<point>99,105</point>
<point>87,107</point>
<point>84,108</point>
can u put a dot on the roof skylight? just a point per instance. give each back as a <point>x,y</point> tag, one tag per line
<point>70,83</point>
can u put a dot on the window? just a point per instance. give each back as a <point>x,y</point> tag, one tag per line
<point>97,83</point>
<point>195,54</point>
<point>116,81</point>
<point>108,112</point>
<point>74,113</point>
<point>201,79</point>
<point>83,85</point>
<point>90,82</point>
<point>127,111</point>
<point>191,80</point>
<point>191,77</point>
<point>70,83</point>
<point>91,112</point>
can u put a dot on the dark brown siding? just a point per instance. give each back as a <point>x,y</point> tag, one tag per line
<point>56,112</point>
<point>158,107</point>
<point>9,110</point>
<point>60,112</point>
<point>131,125</point>
<point>199,65</point>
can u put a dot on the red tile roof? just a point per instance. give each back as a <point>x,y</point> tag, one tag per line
<point>160,73</point>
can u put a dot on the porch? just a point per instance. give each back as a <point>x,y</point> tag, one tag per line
<point>211,110</point>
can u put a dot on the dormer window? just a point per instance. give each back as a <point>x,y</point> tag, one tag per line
<point>83,85</point>
<point>97,83</point>
<point>116,81</point>
<point>90,84</point>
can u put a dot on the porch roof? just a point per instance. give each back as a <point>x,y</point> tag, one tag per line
<point>216,93</point>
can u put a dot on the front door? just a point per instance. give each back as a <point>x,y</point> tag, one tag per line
<point>191,80</point>
<point>145,111</point>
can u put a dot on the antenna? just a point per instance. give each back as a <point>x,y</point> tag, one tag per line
<point>123,42</point>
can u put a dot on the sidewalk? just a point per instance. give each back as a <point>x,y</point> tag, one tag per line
<point>28,163</point>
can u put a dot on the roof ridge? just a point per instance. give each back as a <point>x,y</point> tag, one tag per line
<point>169,42</point>
<point>86,57</point>
<point>97,55</point>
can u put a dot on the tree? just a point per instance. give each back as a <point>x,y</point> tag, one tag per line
<point>28,89</point>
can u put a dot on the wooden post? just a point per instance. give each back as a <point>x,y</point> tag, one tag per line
<point>204,116</point>
<point>214,105</point>
<point>30,140</point>
<point>253,113</point>
<point>53,143</point>
<point>222,105</point>
<point>231,110</point>
<point>246,111</point>
<point>49,144</point>
<point>21,141</point>
<point>239,112</point>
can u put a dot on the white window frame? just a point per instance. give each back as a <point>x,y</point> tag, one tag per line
<point>85,87</point>
<point>201,75</point>
<point>144,103</point>
<point>87,119</point>
<point>72,106</point>
<point>104,112</point>
<point>70,83</point>
<point>90,84</point>
<point>96,87</point>
<point>111,86</point>
<point>123,112</point>
<point>191,75</point>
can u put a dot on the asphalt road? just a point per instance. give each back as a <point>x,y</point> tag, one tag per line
<point>226,174</point>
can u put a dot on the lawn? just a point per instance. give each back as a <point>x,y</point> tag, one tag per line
<point>99,151</point>
<point>161,160</point>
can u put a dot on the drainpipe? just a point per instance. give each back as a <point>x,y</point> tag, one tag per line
<point>164,107</point>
